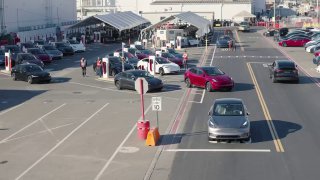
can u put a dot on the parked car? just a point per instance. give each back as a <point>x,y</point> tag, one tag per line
<point>228,120</point>
<point>40,43</point>
<point>192,41</point>
<point>297,41</point>
<point>244,26</point>
<point>2,57</point>
<point>208,77</point>
<point>283,70</point>
<point>52,51</point>
<point>30,72</point>
<point>126,80</point>
<point>172,58</point>
<point>137,53</point>
<point>76,45</point>
<point>311,43</point>
<point>22,58</point>
<point>269,32</point>
<point>65,48</point>
<point>223,41</point>
<point>130,59</point>
<point>147,52</point>
<point>174,52</point>
<point>162,66</point>
<point>139,47</point>
<point>316,53</point>
<point>115,65</point>
<point>316,60</point>
<point>25,46</point>
<point>40,54</point>
<point>314,48</point>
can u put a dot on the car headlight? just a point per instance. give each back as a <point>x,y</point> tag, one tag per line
<point>245,124</point>
<point>34,76</point>
<point>211,124</point>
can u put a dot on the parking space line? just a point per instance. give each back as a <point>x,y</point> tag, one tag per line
<point>8,110</point>
<point>39,119</point>
<point>218,150</point>
<point>241,47</point>
<point>119,148</point>
<point>60,142</point>
<point>272,129</point>
<point>40,132</point>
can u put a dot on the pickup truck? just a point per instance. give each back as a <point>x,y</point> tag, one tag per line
<point>244,26</point>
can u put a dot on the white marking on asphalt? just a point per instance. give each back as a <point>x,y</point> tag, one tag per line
<point>118,149</point>
<point>218,150</point>
<point>40,132</point>
<point>60,142</point>
<point>214,51</point>
<point>265,65</point>
<point>203,93</point>
<point>5,139</point>
<point>14,107</point>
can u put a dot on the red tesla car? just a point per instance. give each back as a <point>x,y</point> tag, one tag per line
<point>209,77</point>
<point>295,41</point>
<point>317,53</point>
<point>40,54</point>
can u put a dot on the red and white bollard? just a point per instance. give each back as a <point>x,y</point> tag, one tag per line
<point>8,62</point>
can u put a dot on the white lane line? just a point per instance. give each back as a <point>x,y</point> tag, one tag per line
<point>214,51</point>
<point>218,150</point>
<point>203,93</point>
<point>40,132</point>
<point>118,149</point>
<point>48,129</point>
<point>5,139</point>
<point>14,107</point>
<point>60,142</point>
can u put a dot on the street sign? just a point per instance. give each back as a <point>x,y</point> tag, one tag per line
<point>156,104</point>
<point>137,85</point>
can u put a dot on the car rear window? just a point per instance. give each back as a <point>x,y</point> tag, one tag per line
<point>286,65</point>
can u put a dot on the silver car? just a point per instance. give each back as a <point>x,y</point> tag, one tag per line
<point>228,120</point>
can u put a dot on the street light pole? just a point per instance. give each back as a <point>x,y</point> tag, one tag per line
<point>274,13</point>
<point>221,13</point>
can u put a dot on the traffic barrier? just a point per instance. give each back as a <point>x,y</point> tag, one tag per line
<point>8,62</point>
<point>143,128</point>
<point>153,137</point>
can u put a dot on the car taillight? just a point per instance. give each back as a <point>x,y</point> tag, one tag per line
<point>278,70</point>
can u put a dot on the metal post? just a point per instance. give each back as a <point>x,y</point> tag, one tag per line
<point>157,119</point>
<point>221,13</point>
<point>274,13</point>
<point>142,99</point>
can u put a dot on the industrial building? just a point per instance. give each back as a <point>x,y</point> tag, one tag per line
<point>29,15</point>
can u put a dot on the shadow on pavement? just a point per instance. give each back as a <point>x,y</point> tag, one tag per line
<point>169,139</point>
<point>243,87</point>
<point>57,80</point>
<point>260,130</point>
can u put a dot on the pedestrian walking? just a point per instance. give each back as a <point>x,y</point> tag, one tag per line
<point>185,59</point>
<point>99,67</point>
<point>234,46</point>
<point>230,44</point>
<point>83,65</point>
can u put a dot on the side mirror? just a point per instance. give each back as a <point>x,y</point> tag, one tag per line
<point>209,113</point>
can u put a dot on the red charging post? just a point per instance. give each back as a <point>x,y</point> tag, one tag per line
<point>143,126</point>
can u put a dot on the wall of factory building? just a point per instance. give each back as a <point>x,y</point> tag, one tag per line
<point>24,13</point>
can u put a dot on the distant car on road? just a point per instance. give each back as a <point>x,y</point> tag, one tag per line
<point>244,26</point>
<point>40,54</point>
<point>30,72</point>
<point>162,66</point>
<point>52,51</point>
<point>223,41</point>
<point>228,120</point>
<point>208,77</point>
<point>283,70</point>
<point>126,80</point>
<point>65,48</point>
<point>295,41</point>
<point>22,58</point>
<point>76,45</point>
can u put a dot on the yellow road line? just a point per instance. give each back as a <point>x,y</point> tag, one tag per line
<point>274,134</point>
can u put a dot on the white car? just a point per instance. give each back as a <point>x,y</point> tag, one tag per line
<point>76,45</point>
<point>163,66</point>
<point>308,49</point>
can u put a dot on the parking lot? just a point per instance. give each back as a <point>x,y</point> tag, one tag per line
<point>84,128</point>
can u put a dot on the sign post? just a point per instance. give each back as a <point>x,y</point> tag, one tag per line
<point>156,106</point>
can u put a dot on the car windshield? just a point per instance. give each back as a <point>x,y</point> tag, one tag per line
<point>163,61</point>
<point>286,65</point>
<point>36,51</point>
<point>172,51</point>
<point>49,48</point>
<point>244,23</point>
<point>168,55</point>
<point>228,109</point>
<point>27,57</point>
<point>144,74</point>
<point>213,71</point>
<point>139,47</point>
<point>28,45</point>
<point>128,55</point>
<point>33,68</point>
<point>39,42</point>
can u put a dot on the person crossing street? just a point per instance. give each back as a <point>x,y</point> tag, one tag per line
<point>83,65</point>
<point>185,59</point>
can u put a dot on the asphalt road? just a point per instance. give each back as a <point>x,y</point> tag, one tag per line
<point>284,124</point>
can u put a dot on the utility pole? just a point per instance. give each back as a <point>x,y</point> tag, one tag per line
<point>221,12</point>
<point>274,13</point>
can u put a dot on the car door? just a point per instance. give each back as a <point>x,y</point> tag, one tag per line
<point>18,72</point>
<point>200,78</point>
<point>130,81</point>
<point>191,75</point>
<point>23,73</point>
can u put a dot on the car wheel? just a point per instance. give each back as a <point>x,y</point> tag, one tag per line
<point>161,71</point>
<point>30,81</point>
<point>274,79</point>
<point>13,75</point>
<point>284,44</point>
<point>188,83</point>
<point>118,85</point>
<point>208,87</point>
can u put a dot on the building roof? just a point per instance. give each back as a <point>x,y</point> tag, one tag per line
<point>201,23</point>
<point>165,2</point>
<point>244,14</point>
<point>121,20</point>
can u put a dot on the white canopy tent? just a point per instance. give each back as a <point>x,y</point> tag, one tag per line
<point>243,15</point>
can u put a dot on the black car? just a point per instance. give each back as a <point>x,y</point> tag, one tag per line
<point>316,60</point>
<point>223,41</point>
<point>30,72</point>
<point>283,70</point>
<point>115,66</point>
<point>65,48</point>
<point>2,57</point>
<point>174,52</point>
<point>25,46</point>
<point>269,32</point>
<point>22,58</point>
<point>126,80</point>
<point>130,59</point>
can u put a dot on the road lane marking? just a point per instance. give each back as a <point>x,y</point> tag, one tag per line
<point>273,131</point>
<point>119,148</point>
<point>218,150</point>
<point>8,110</point>
<point>203,93</point>
<point>214,51</point>
<point>60,142</point>
<point>39,119</point>
<point>241,47</point>
<point>40,132</point>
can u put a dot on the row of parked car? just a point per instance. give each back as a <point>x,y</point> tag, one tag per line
<point>40,52</point>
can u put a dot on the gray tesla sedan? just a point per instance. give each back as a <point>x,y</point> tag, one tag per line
<point>228,120</point>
